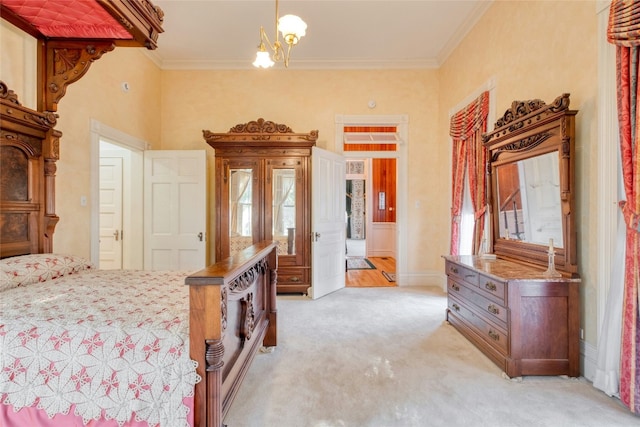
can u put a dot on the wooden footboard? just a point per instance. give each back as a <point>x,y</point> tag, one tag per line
<point>232,314</point>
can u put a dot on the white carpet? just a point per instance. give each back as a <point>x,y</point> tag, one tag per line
<point>385,357</point>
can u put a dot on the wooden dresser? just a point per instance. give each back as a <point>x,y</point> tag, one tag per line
<point>526,323</point>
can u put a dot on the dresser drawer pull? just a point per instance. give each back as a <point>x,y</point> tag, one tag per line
<point>493,309</point>
<point>455,288</point>
<point>295,279</point>
<point>494,336</point>
<point>491,286</point>
<point>469,275</point>
<point>456,307</point>
<point>454,270</point>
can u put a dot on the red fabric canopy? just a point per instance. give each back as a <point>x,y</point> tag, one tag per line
<point>69,18</point>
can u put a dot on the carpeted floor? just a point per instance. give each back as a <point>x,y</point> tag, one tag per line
<point>381,357</point>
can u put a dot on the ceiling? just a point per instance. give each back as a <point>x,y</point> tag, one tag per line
<point>356,34</point>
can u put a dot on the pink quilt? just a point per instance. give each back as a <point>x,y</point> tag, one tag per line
<point>105,345</point>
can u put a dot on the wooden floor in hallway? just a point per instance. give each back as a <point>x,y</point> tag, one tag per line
<point>372,277</point>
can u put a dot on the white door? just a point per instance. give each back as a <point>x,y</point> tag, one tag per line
<point>327,222</point>
<point>175,210</point>
<point>110,213</point>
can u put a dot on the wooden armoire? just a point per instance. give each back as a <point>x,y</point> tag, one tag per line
<point>263,192</point>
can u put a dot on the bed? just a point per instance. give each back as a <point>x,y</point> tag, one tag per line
<point>224,313</point>
<point>214,321</point>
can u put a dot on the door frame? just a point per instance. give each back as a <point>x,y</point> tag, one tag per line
<point>401,122</point>
<point>132,256</point>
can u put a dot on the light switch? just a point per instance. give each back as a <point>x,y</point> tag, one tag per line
<point>83,200</point>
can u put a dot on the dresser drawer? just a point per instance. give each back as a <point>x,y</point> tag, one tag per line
<point>460,290</point>
<point>465,274</point>
<point>493,288</point>
<point>494,336</point>
<point>492,309</point>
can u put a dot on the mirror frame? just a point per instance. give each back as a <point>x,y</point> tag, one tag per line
<point>528,129</point>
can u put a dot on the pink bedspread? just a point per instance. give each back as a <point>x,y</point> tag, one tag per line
<point>108,345</point>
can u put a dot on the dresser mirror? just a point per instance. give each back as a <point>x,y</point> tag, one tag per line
<point>528,200</point>
<point>531,177</point>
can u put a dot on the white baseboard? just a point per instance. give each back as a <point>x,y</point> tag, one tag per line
<point>428,278</point>
<point>589,360</point>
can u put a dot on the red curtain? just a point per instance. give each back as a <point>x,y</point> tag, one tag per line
<point>624,32</point>
<point>466,129</point>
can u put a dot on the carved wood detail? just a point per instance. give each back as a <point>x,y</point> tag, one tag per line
<point>13,110</point>
<point>67,62</point>
<point>224,308</point>
<point>259,126</point>
<point>246,279</point>
<point>213,354</point>
<point>30,148</point>
<point>8,94</point>
<point>260,130</point>
<point>524,113</point>
<point>522,145</point>
<point>248,317</point>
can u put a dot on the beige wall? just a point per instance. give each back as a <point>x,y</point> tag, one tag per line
<point>98,95</point>
<point>310,100</point>
<point>536,49</point>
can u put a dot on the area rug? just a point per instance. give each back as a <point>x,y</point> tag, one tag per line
<point>389,276</point>
<point>359,264</point>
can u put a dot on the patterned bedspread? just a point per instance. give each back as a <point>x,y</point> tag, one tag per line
<point>112,343</point>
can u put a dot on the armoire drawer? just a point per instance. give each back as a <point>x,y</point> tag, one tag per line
<point>291,276</point>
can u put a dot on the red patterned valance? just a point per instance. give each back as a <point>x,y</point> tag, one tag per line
<point>624,23</point>
<point>471,118</point>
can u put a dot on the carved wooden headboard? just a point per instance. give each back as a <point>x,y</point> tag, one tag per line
<point>29,148</point>
<point>80,33</point>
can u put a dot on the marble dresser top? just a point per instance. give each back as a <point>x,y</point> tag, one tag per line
<point>502,269</point>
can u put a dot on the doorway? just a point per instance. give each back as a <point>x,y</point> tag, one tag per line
<point>371,222</point>
<point>118,157</point>
<point>381,137</point>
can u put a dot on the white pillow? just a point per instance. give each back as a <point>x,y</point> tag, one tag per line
<point>27,269</point>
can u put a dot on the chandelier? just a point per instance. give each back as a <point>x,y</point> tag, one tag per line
<point>292,28</point>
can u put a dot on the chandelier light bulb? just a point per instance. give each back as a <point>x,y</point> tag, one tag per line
<point>292,28</point>
<point>263,60</point>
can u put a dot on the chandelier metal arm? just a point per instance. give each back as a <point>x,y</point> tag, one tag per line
<point>276,47</point>
<point>290,32</point>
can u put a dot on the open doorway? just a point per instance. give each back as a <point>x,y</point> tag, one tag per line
<point>371,222</point>
<point>371,188</point>
<point>373,153</point>
<point>116,198</point>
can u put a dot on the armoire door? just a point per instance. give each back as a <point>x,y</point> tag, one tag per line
<point>239,205</point>
<point>285,184</point>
